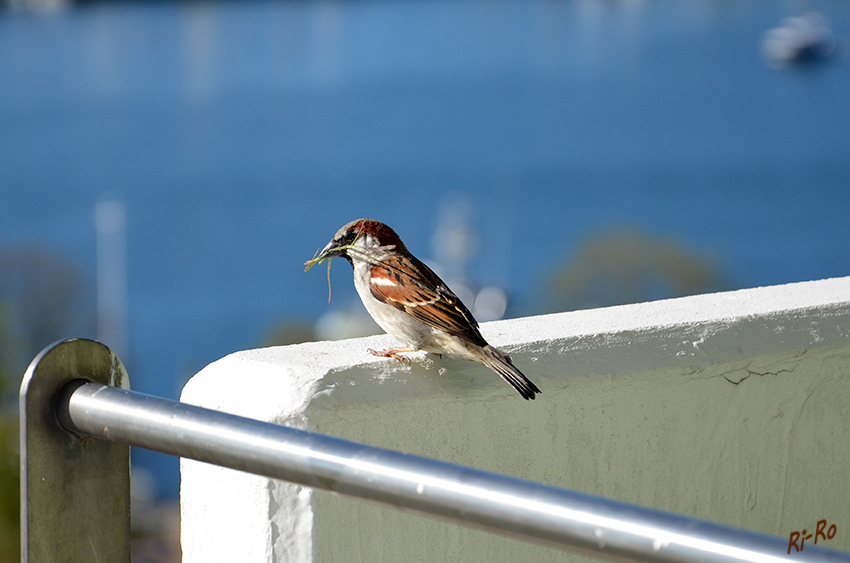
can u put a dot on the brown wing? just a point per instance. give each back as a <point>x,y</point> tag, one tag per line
<point>410,286</point>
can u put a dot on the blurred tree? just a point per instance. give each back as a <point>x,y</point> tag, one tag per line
<point>629,266</point>
<point>6,351</point>
<point>41,300</point>
<point>9,464</point>
<point>292,332</point>
<point>9,489</point>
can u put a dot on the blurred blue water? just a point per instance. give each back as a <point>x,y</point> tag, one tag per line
<point>242,135</point>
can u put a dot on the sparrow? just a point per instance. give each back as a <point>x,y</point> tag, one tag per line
<point>411,303</point>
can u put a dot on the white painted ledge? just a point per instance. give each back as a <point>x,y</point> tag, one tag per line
<point>730,406</point>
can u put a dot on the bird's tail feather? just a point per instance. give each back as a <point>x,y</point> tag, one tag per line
<point>501,364</point>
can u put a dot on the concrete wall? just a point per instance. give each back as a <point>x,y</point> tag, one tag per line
<point>732,407</point>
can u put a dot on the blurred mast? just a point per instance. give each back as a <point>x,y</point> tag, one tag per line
<point>111,227</point>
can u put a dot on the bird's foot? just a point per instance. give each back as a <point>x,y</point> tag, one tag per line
<point>394,353</point>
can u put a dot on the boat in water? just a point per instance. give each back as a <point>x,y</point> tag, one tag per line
<point>799,40</point>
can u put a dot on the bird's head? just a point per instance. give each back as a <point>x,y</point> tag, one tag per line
<point>357,240</point>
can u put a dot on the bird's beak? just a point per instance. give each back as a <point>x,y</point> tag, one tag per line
<point>332,250</point>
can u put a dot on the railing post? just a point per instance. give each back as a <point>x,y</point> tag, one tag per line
<point>75,490</point>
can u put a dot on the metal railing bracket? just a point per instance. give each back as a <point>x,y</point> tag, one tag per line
<point>75,490</point>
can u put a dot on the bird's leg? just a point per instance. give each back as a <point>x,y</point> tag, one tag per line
<point>394,353</point>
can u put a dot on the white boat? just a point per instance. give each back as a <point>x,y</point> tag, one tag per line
<point>801,39</point>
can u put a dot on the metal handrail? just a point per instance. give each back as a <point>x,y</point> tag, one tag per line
<point>506,505</point>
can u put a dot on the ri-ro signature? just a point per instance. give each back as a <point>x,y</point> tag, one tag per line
<point>821,531</point>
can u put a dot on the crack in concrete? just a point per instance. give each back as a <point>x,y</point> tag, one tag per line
<point>760,372</point>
